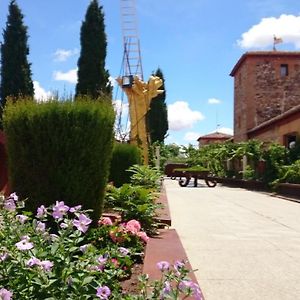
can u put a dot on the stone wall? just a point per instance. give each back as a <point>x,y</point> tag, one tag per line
<point>275,94</point>
<point>261,92</point>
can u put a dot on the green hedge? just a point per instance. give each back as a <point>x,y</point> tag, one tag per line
<point>124,156</point>
<point>60,151</point>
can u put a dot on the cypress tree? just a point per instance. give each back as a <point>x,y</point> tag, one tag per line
<point>93,78</point>
<point>157,116</point>
<point>15,69</point>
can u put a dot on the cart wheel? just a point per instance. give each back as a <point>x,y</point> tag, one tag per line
<point>211,183</point>
<point>183,182</point>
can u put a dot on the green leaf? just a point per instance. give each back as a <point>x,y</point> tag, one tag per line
<point>87,280</point>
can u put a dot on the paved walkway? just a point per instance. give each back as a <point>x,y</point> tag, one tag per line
<point>245,245</point>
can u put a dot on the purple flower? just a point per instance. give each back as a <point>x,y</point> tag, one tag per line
<point>63,225</point>
<point>46,265</point>
<point>14,197</point>
<point>82,223</point>
<point>102,259</point>
<point>53,237</point>
<point>5,294</point>
<point>59,210</point>
<point>83,248</point>
<point>41,212</point>
<point>3,256</point>
<point>10,205</point>
<point>22,219</point>
<point>103,292</point>
<point>167,288</point>
<point>123,251</point>
<point>24,244</point>
<point>163,265</point>
<point>40,226</point>
<point>33,261</point>
<point>190,286</point>
<point>75,208</point>
<point>178,265</point>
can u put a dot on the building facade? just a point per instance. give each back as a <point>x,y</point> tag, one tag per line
<point>266,86</point>
<point>213,138</point>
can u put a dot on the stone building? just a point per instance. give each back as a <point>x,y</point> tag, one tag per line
<point>213,138</point>
<point>267,96</point>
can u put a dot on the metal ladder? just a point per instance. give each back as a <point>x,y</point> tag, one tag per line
<point>132,60</point>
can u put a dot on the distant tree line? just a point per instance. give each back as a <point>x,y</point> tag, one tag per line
<point>16,76</point>
<point>93,78</point>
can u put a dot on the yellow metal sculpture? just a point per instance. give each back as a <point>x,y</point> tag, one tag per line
<point>139,95</point>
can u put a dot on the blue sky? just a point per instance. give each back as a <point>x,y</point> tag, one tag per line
<point>196,43</point>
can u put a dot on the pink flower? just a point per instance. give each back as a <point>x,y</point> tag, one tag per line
<point>41,212</point>
<point>133,226</point>
<point>117,235</point>
<point>143,235</point>
<point>5,294</point>
<point>115,262</point>
<point>82,223</point>
<point>59,210</point>
<point>105,221</point>
<point>24,244</point>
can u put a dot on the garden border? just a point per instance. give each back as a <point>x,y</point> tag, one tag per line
<point>166,246</point>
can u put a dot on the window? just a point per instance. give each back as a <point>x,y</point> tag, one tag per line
<point>284,70</point>
<point>290,140</point>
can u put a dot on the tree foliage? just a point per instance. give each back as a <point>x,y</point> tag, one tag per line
<point>93,78</point>
<point>157,117</point>
<point>60,150</point>
<point>15,69</point>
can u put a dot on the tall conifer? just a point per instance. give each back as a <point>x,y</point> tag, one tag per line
<point>15,69</point>
<point>93,78</point>
<point>157,117</point>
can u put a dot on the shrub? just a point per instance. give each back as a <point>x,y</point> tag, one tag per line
<point>134,202</point>
<point>123,157</point>
<point>289,174</point>
<point>59,150</point>
<point>145,176</point>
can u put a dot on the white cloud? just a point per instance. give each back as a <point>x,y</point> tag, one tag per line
<point>225,130</point>
<point>261,35</point>
<point>112,81</point>
<point>69,76</point>
<point>63,55</point>
<point>120,107</point>
<point>191,136</point>
<point>39,93</point>
<point>180,116</point>
<point>214,101</point>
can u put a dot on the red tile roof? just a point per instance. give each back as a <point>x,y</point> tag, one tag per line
<point>215,136</point>
<point>263,54</point>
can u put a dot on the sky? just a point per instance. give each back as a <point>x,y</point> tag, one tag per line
<point>196,43</point>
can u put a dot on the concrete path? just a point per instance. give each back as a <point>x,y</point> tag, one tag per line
<point>245,245</point>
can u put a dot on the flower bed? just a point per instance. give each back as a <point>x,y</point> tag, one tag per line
<point>54,255</point>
